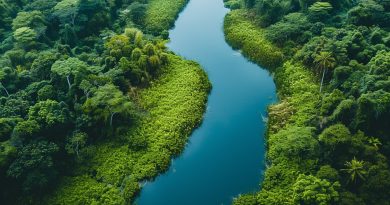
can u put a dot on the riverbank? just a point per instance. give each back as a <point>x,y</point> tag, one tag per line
<point>298,100</point>
<point>161,15</point>
<point>173,106</point>
<point>114,174</point>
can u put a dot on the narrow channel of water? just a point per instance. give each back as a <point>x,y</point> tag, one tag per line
<point>225,155</point>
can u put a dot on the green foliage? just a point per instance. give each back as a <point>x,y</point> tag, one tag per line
<point>161,14</point>
<point>66,70</point>
<point>373,111</point>
<point>71,67</point>
<point>25,36</point>
<point>355,169</point>
<point>291,27</point>
<point>243,34</point>
<point>7,153</point>
<point>293,143</point>
<point>76,143</point>
<point>6,127</point>
<point>108,101</point>
<point>324,61</point>
<point>368,13</point>
<point>330,101</point>
<point>35,161</point>
<point>33,19</point>
<point>319,11</point>
<point>233,4</point>
<point>271,11</point>
<point>300,93</point>
<point>309,189</point>
<point>246,199</point>
<point>340,42</point>
<point>49,113</point>
<point>41,66</point>
<point>328,173</point>
<point>88,191</point>
<point>46,92</point>
<point>121,164</point>
<point>137,12</point>
<point>26,130</point>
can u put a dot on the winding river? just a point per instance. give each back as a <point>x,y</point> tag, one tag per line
<point>225,155</point>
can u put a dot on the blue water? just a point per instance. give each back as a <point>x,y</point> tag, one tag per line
<point>225,155</point>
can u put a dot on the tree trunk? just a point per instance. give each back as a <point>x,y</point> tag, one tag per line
<point>5,89</point>
<point>322,80</point>
<point>77,149</point>
<point>111,118</point>
<point>67,79</point>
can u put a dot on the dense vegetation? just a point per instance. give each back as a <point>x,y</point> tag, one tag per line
<point>328,138</point>
<point>89,104</point>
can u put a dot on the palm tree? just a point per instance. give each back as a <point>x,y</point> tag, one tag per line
<point>374,142</point>
<point>355,169</point>
<point>324,61</point>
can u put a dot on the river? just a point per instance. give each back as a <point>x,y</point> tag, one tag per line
<point>225,155</point>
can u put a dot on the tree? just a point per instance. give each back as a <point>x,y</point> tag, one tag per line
<point>271,11</point>
<point>87,87</point>
<point>372,113</point>
<point>26,130</point>
<point>324,61</point>
<point>291,27</point>
<point>69,67</point>
<point>309,190</point>
<point>355,169</point>
<point>40,68</point>
<point>46,92</point>
<point>49,113</point>
<point>6,127</point>
<point>320,10</point>
<point>108,101</point>
<point>25,36</point>
<point>34,165</point>
<point>335,138</point>
<point>137,12</point>
<point>368,13</point>
<point>33,19</point>
<point>67,11</point>
<point>249,3</point>
<point>118,46</point>
<point>375,142</point>
<point>293,143</point>
<point>76,142</point>
<point>329,173</point>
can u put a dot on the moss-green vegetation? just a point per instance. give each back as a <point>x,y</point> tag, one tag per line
<point>119,165</point>
<point>243,34</point>
<point>324,146</point>
<point>161,14</point>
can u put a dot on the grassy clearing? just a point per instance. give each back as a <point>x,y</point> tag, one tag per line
<point>161,14</point>
<point>174,105</point>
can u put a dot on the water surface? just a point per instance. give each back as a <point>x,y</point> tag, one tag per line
<point>225,155</point>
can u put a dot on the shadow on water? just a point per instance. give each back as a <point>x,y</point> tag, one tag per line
<point>225,155</point>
